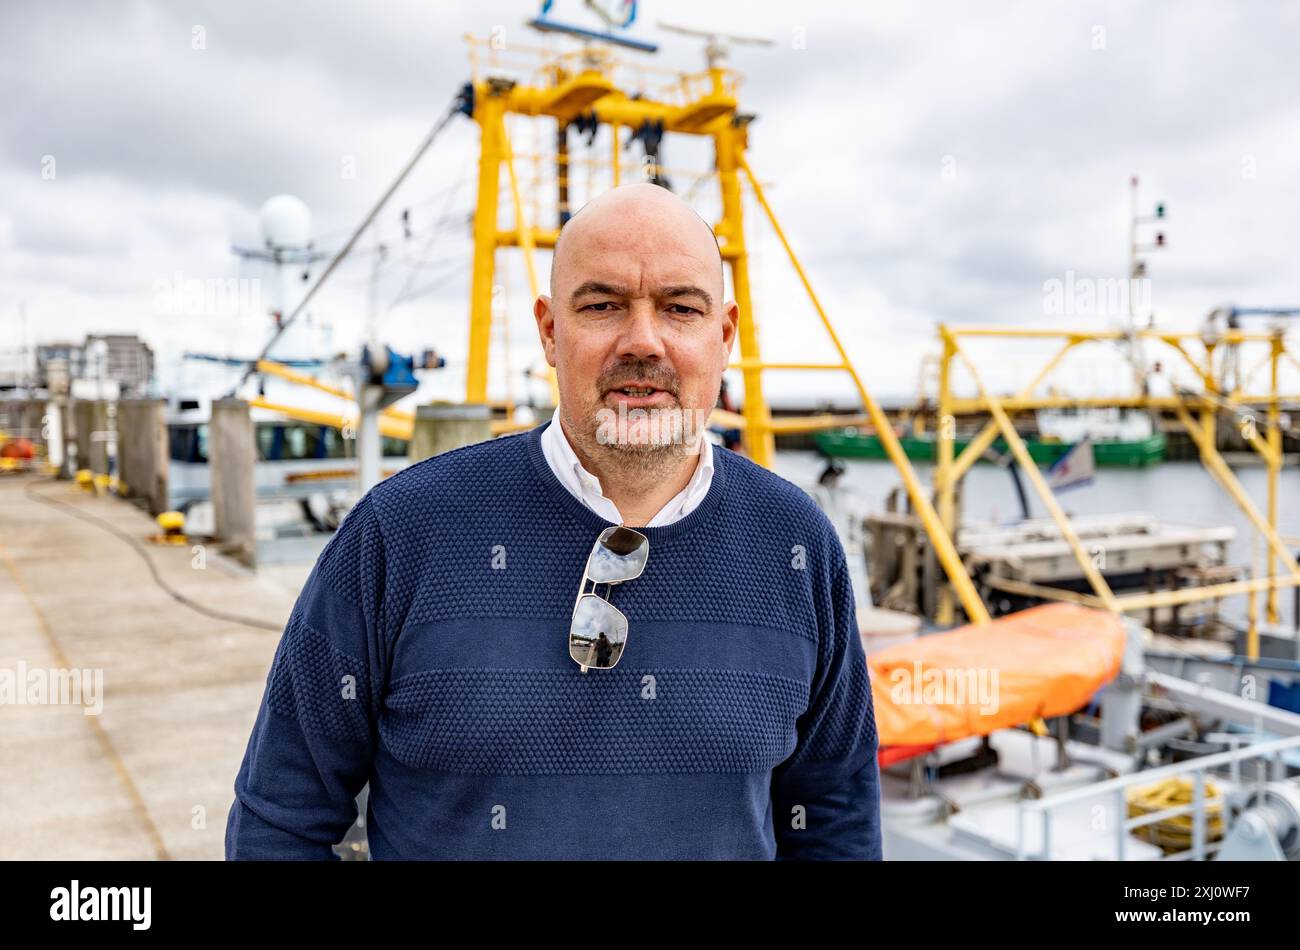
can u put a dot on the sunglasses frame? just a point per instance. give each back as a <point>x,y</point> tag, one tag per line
<point>608,585</point>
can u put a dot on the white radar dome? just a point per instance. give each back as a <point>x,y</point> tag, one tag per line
<point>286,221</point>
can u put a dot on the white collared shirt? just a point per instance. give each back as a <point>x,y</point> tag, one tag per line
<point>586,487</point>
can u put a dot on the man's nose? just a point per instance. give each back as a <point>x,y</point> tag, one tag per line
<point>639,335</point>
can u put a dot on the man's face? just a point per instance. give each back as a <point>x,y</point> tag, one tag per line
<point>636,320</point>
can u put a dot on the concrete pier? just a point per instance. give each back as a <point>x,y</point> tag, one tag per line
<point>93,435</point>
<point>232,453</point>
<point>443,426</point>
<point>142,451</point>
<point>151,776</point>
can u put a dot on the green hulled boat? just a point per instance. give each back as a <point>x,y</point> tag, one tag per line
<point>1126,453</point>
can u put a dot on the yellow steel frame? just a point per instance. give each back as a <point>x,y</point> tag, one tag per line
<point>392,422</point>
<point>704,104</point>
<point>949,470</point>
<point>1030,469</point>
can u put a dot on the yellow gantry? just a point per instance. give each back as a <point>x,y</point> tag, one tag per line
<point>566,86</point>
<point>1207,404</point>
<point>562,87</point>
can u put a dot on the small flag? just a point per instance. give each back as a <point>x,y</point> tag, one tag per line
<point>1074,468</point>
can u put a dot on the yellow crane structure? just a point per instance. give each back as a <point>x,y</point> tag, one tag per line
<point>587,86</point>
<point>1197,412</point>
<point>590,88</point>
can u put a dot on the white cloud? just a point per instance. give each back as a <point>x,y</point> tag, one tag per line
<point>164,152</point>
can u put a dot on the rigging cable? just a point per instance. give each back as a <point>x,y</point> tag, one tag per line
<point>461,103</point>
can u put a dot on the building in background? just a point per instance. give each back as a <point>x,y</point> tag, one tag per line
<point>109,364</point>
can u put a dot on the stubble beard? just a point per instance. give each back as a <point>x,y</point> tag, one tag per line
<point>629,463</point>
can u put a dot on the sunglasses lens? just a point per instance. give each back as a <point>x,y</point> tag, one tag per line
<point>598,633</point>
<point>620,554</point>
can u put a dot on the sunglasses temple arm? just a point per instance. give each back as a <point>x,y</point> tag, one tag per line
<point>582,589</point>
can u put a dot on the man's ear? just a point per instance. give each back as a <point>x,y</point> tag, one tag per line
<point>730,322</point>
<point>545,318</point>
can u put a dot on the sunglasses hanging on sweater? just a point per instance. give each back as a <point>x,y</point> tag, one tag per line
<point>598,630</point>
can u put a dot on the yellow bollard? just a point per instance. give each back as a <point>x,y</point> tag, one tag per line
<point>173,527</point>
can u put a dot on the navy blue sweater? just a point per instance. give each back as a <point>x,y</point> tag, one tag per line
<point>427,655</point>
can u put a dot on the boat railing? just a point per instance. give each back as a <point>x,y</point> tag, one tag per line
<point>1116,789</point>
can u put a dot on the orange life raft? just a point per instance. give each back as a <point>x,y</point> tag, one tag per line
<point>1045,661</point>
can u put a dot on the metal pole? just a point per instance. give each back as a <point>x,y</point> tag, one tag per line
<point>1204,439</point>
<point>945,432</point>
<point>1095,579</point>
<point>528,246</point>
<point>1198,815</point>
<point>1121,824</point>
<point>980,444</point>
<point>944,548</point>
<point>1274,465</point>
<point>489,111</point>
<point>369,446</point>
<point>759,440</point>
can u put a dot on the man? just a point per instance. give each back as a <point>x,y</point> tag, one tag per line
<point>428,653</point>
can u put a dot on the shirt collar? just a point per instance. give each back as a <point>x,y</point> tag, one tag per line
<point>585,486</point>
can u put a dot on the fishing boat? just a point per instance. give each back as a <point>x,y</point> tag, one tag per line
<point>1118,441</point>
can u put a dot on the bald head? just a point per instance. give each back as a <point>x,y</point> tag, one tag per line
<point>636,326</point>
<point>630,213</point>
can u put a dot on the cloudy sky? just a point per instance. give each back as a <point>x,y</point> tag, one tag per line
<point>931,161</point>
